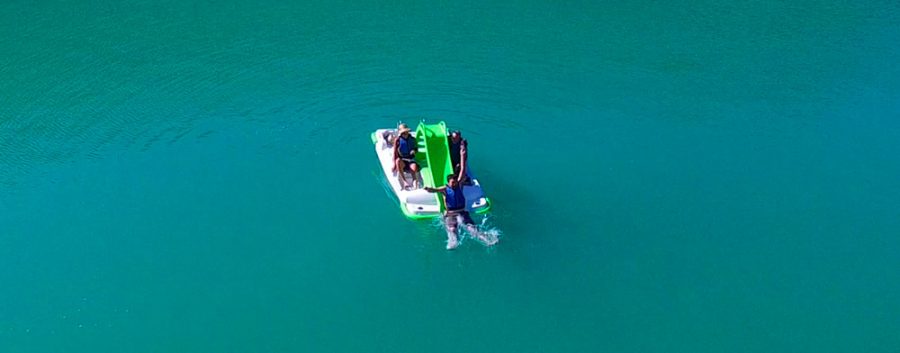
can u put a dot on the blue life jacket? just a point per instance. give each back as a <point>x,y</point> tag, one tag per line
<point>455,199</point>
<point>406,146</point>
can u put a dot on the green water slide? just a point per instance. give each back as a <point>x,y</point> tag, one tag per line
<point>434,153</point>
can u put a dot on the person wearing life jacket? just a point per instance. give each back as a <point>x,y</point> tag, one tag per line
<point>457,212</point>
<point>459,154</point>
<point>405,148</point>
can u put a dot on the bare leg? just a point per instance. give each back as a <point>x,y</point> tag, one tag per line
<point>399,166</point>
<point>414,169</point>
<point>452,239</point>
<point>452,234</point>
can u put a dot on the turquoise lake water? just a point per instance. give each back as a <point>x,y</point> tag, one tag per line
<point>704,176</point>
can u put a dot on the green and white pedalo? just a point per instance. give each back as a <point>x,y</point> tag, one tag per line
<point>433,157</point>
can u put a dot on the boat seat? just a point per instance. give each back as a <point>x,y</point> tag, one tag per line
<point>387,137</point>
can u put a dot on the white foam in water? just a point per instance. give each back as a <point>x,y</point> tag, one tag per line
<point>491,237</point>
<point>491,233</point>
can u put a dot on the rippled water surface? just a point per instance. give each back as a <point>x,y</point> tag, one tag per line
<point>695,177</point>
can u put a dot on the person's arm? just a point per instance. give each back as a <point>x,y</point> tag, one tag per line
<point>397,146</point>
<point>440,189</point>
<point>463,160</point>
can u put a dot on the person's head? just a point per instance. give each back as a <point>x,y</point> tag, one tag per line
<point>451,180</point>
<point>403,130</point>
<point>455,136</point>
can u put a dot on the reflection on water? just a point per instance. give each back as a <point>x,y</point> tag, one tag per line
<point>131,77</point>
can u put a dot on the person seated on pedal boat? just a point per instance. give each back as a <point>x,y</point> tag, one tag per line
<point>405,148</point>
<point>459,154</point>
